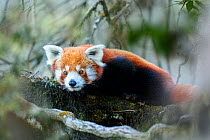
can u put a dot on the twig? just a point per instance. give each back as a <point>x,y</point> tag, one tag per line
<point>93,8</point>
<point>124,9</point>
<point>122,111</point>
<point>95,28</point>
<point>5,61</point>
<point>168,15</point>
<point>180,12</point>
<point>33,16</point>
<point>69,11</point>
<point>29,54</point>
<point>143,22</point>
<point>144,47</point>
<point>158,58</point>
<point>103,3</point>
<point>23,4</point>
<point>5,11</point>
<point>179,70</point>
<point>156,54</point>
<point>140,10</point>
<point>61,4</point>
<point>89,12</point>
<point>168,63</point>
<point>31,4</point>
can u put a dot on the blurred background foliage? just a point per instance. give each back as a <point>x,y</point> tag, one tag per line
<point>27,25</point>
<point>157,30</point>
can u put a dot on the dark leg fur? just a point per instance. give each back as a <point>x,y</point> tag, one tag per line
<point>149,87</point>
<point>121,77</point>
<point>117,75</point>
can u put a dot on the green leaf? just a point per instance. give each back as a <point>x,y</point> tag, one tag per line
<point>194,7</point>
<point>189,6</point>
<point>200,4</point>
<point>179,2</point>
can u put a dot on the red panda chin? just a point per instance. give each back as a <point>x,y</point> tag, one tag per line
<point>73,89</point>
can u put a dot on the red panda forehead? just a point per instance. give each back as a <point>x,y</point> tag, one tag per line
<point>74,56</point>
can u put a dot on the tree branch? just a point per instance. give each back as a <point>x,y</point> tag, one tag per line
<point>23,4</point>
<point>179,14</point>
<point>70,121</point>
<point>89,12</point>
<point>179,70</point>
<point>29,54</point>
<point>103,3</point>
<point>95,28</point>
<point>5,11</point>
<point>124,9</point>
<point>5,61</point>
<point>93,8</point>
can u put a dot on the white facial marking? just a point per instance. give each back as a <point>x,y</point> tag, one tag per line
<point>67,67</point>
<point>77,78</point>
<point>78,67</point>
<point>91,73</point>
<point>58,73</point>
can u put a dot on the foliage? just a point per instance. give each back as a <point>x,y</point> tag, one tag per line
<point>26,26</point>
<point>192,5</point>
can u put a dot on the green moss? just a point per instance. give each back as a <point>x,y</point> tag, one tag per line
<point>104,110</point>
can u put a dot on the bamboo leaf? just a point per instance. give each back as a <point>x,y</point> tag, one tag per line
<point>200,4</point>
<point>189,6</point>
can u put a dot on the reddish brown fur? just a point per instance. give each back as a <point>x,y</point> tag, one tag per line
<point>72,57</point>
<point>137,61</point>
<point>183,93</point>
<point>76,56</point>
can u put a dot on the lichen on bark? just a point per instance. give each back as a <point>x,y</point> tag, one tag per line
<point>103,110</point>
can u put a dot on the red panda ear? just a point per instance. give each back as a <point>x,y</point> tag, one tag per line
<point>52,52</point>
<point>96,54</point>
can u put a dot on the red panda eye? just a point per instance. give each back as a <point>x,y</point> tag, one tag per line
<point>65,72</point>
<point>81,72</point>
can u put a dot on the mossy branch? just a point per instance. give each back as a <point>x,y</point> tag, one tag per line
<point>70,121</point>
<point>102,115</point>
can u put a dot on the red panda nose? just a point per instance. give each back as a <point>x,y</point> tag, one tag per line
<point>72,83</point>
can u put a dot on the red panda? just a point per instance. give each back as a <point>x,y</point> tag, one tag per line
<point>98,70</point>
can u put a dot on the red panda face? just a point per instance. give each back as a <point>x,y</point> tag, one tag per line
<point>75,76</point>
<point>75,67</point>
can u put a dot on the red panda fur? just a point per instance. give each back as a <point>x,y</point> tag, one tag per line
<point>178,93</point>
<point>183,93</point>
